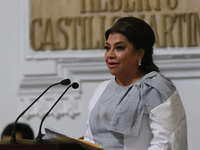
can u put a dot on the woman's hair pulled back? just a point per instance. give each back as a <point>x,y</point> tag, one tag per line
<point>141,35</point>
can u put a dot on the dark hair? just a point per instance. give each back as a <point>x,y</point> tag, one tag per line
<point>141,35</point>
<point>24,129</point>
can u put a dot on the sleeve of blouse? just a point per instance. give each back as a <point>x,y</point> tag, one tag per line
<point>161,137</point>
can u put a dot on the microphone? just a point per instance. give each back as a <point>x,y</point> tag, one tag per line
<point>74,85</point>
<point>13,134</point>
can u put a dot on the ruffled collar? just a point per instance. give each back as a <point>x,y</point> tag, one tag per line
<point>123,112</point>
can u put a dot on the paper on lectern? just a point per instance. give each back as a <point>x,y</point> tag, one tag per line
<point>53,134</point>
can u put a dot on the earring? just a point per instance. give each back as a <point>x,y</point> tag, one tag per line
<point>139,62</point>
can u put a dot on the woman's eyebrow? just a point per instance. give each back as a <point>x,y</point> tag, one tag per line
<point>107,43</point>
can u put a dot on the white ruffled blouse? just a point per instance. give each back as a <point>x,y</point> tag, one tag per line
<point>157,123</point>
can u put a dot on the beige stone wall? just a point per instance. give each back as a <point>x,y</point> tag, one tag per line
<point>80,24</point>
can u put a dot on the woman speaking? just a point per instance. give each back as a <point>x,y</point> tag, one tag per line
<point>138,109</point>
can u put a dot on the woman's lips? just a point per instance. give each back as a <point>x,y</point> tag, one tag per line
<point>112,64</point>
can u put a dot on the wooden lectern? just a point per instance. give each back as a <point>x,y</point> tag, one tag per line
<point>47,145</point>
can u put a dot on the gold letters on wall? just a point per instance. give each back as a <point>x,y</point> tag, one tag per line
<point>80,24</point>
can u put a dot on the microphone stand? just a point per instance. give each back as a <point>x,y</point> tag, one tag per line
<point>39,137</point>
<point>13,134</point>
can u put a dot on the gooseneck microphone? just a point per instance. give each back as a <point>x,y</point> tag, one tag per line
<point>74,85</point>
<point>13,134</point>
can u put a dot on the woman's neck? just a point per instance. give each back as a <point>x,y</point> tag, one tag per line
<point>128,80</point>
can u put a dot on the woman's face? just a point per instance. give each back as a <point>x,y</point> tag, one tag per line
<point>121,57</point>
